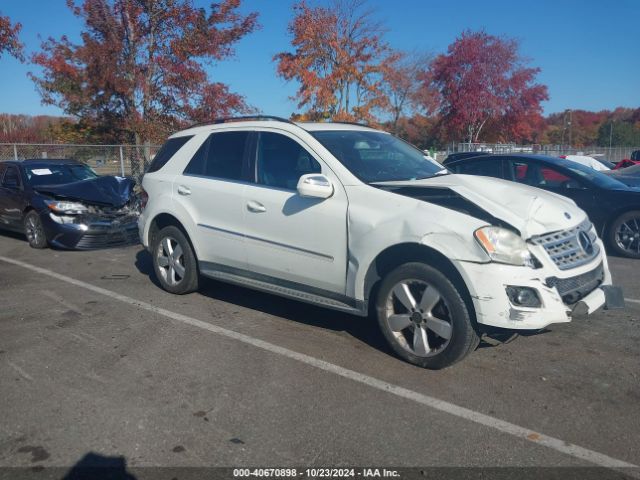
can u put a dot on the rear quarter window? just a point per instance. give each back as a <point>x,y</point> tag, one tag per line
<point>167,151</point>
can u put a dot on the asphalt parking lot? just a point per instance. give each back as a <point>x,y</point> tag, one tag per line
<point>96,361</point>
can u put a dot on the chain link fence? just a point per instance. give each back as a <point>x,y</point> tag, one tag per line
<point>613,154</point>
<point>124,160</point>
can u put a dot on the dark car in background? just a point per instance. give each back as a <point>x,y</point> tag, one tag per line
<point>461,155</point>
<point>630,176</point>
<point>65,204</point>
<point>612,206</point>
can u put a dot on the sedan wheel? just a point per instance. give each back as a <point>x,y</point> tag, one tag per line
<point>624,235</point>
<point>34,231</point>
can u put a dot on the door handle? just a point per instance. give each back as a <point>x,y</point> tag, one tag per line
<point>254,206</point>
<point>182,190</point>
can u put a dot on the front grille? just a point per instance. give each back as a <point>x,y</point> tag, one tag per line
<point>575,288</point>
<point>107,237</point>
<point>564,247</point>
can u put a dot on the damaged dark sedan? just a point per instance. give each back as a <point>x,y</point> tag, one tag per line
<point>65,204</point>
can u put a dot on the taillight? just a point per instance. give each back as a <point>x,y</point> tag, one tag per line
<point>563,156</point>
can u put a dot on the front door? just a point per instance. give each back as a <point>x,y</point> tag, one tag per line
<point>289,237</point>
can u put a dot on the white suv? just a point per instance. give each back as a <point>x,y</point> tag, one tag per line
<point>354,219</point>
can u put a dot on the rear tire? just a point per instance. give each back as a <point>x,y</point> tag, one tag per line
<point>424,317</point>
<point>623,235</point>
<point>174,261</point>
<point>34,231</point>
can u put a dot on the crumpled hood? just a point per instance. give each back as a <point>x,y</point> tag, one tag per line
<point>107,190</point>
<point>531,210</point>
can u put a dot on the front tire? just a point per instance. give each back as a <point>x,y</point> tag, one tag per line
<point>424,317</point>
<point>34,231</point>
<point>174,261</point>
<point>624,234</point>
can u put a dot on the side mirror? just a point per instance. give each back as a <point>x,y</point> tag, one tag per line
<point>315,185</point>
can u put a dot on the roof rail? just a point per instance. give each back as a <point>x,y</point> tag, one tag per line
<point>242,118</point>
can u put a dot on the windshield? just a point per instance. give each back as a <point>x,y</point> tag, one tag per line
<point>377,156</point>
<point>600,179</point>
<point>58,174</point>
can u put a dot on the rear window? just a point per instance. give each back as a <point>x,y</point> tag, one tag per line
<point>167,151</point>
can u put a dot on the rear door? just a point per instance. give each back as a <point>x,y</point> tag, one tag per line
<point>11,198</point>
<point>289,237</point>
<point>211,188</point>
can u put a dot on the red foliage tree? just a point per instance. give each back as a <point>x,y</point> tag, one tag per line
<point>138,66</point>
<point>337,59</point>
<point>9,41</point>
<point>482,79</point>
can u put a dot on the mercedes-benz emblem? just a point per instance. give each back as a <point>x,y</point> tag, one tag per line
<point>585,243</point>
<point>567,215</point>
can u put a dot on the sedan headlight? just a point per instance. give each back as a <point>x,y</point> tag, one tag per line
<point>66,208</point>
<point>504,246</point>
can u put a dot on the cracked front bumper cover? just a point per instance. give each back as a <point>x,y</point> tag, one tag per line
<point>487,285</point>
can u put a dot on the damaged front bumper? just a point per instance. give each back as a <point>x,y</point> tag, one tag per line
<point>91,231</point>
<point>561,295</point>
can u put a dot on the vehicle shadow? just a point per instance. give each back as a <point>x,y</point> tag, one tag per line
<point>96,466</point>
<point>14,235</point>
<point>362,329</point>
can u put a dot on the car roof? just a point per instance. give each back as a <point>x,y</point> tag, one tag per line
<point>42,162</point>
<point>524,156</point>
<point>244,124</point>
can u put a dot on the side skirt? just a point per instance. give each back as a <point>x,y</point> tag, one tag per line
<point>283,288</point>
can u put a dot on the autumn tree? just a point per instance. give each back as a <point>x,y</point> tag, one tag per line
<point>482,78</point>
<point>138,68</point>
<point>402,86</point>
<point>337,58</point>
<point>9,41</point>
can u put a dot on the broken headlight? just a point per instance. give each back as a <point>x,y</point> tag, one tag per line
<point>65,207</point>
<point>504,246</point>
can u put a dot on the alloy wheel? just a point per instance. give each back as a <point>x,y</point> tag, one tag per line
<point>170,260</point>
<point>627,236</point>
<point>419,318</point>
<point>33,230</point>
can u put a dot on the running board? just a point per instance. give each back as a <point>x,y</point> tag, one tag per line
<point>281,290</point>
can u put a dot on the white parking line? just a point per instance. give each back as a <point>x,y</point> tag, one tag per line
<point>632,300</point>
<point>524,433</point>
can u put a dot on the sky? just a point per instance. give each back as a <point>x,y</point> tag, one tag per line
<point>588,50</point>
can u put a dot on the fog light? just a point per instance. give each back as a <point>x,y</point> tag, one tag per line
<point>524,297</point>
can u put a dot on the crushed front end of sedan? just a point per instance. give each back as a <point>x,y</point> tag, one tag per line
<point>94,213</point>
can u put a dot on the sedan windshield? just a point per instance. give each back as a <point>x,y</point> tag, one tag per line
<point>377,156</point>
<point>601,179</point>
<point>58,174</point>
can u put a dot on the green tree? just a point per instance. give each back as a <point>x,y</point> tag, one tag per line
<point>619,134</point>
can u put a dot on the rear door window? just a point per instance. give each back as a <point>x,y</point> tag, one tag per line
<point>222,155</point>
<point>536,175</point>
